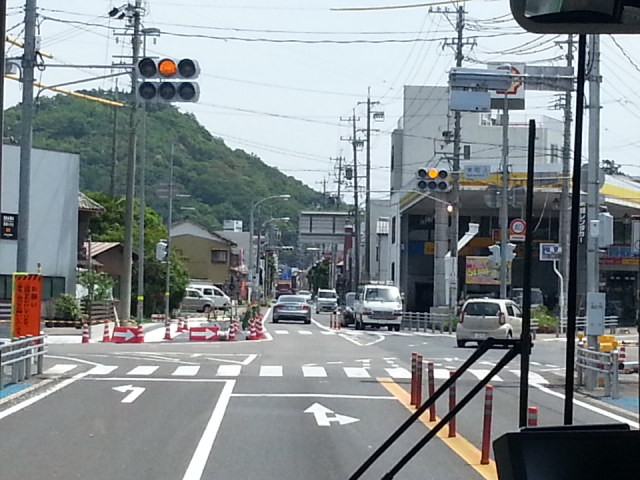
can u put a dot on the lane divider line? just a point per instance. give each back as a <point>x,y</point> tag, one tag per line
<point>460,446</point>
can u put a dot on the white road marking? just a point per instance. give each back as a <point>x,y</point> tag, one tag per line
<point>535,363</point>
<point>314,395</point>
<point>308,371</point>
<point>328,333</point>
<point>484,362</point>
<point>143,370</point>
<point>229,370</point>
<point>60,369</point>
<point>271,371</point>
<point>398,372</point>
<point>441,373</point>
<point>102,369</point>
<point>186,371</point>
<point>335,363</point>
<point>305,332</point>
<point>356,372</point>
<point>323,418</point>
<point>203,450</point>
<point>551,366</point>
<point>480,374</point>
<point>534,378</point>
<point>281,332</point>
<point>135,392</point>
<point>196,355</point>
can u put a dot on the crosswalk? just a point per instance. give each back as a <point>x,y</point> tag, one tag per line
<point>308,370</point>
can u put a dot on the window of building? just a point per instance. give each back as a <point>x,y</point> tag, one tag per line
<point>393,271</point>
<point>219,256</point>
<point>393,230</point>
<point>52,287</point>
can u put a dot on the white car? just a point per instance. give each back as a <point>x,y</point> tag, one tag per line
<point>218,298</point>
<point>378,305</point>
<point>306,294</point>
<point>326,300</point>
<point>482,318</point>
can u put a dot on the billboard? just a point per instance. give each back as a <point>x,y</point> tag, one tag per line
<point>483,271</point>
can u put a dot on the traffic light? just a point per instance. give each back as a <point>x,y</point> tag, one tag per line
<point>511,254</point>
<point>162,250</point>
<point>495,254</point>
<point>167,81</point>
<point>433,180</point>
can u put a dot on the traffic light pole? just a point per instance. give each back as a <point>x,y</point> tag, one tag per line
<point>504,201</point>
<point>125,287</point>
<point>167,283</point>
<point>141,167</point>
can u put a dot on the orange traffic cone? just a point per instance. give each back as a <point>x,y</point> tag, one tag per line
<point>167,331</point>
<point>85,333</point>
<point>106,337</point>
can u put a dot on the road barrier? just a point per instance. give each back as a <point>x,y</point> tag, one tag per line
<point>423,321</point>
<point>610,322</point>
<point>204,333</point>
<point>21,355</point>
<point>532,416</point>
<point>127,335</point>
<point>486,425</point>
<point>603,364</point>
<point>452,405</point>
<point>106,335</point>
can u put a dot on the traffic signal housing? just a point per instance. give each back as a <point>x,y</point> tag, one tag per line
<point>433,180</point>
<point>162,250</point>
<point>167,80</point>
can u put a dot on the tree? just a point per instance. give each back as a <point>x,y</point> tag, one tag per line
<point>318,275</point>
<point>610,167</point>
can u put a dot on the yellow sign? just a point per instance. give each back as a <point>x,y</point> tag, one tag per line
<point>482,271</point>
<point>26,303</point>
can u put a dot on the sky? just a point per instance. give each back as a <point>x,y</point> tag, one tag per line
<point>278,77</point>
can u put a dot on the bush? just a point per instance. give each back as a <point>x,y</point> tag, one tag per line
<point>547,323</point>
<point>67,307</point>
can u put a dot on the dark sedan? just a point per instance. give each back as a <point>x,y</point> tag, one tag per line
<point>294,307</point>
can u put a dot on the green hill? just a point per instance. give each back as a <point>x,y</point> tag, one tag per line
<point>222,183</point>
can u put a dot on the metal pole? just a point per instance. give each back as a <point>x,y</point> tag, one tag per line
<point>141,169</point>
<point>125,287</point>
<point>3,34</point>
<point>167,283</point>
<point>593,203</point>
<point>563,312</point>
<point>26,140</point>
<point>251,264</point>
<point>356,240</point>
<point>504,201</point>
<point>367,212</point>
<point>573,240</point>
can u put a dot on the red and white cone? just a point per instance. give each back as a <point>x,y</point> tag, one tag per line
<point>232,331</point>
<point>252,329</point>
<point>106,336</point>
<point>167,331</point>
<point>85,333</point>
<point>260,327</point>
<point>181,325</point>
<point>622,356</point>
<point>139,334</point>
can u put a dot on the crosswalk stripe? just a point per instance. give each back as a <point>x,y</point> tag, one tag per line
<point>398,372</point>
<point>308,371</point>
<point>282,332</point>
<point>271,371</point>
<point>356,372</point>
<point>143,370</point>
<point>229,370</point>
<point>60,368</point>
<point>441,373</point>
<point>480,374</point>
<point>534,378</point>
<point>304,332</point>
<point>102,369</point>
<point>186,371</point>
<point>328,333</point>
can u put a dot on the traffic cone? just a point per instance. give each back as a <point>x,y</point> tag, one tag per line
<point>106,337</point>
<point>232,331</point>
<point>181,325</point>
<point>85,333</point>
<point>252,329</point>
<point>139,334</point>
<point>260,327</point>
<point>167,331</point>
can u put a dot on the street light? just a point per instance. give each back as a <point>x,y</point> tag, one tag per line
<point>285,196</point>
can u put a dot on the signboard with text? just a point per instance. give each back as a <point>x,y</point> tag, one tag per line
<point>26,302</point>
<point>9,225</point>
<point>482,271</point>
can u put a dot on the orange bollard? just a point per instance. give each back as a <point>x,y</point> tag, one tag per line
<point>532,417</point>
<point>85,333</point>
<point>486,426</point>
<point>419,367</point>
<point>431,384</point>
<point>167,331</point>
<point>414,368</point>
<point>452,404</point>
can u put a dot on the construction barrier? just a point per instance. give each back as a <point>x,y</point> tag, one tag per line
<point>125,335</point>
<point>431,381</point>
<point>157,317</point>
<point>452,404</point>
<point>204,334</point>
<point>85,333</point>
<point>532,416</point>
<point>106,335</point>
<point>486,426</point>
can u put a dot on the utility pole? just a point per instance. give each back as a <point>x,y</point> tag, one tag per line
<point>339,159</point>
<point>593,201</point>
<point>141,173</point>
<point>356,241</point>
<point>114,148</point>
<point>167,283</point>
<point>125,288</point>
<point>504,200</point>
<point>26,140</point>
<point>3,34</point>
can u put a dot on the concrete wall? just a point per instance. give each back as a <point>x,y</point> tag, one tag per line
<point>53,221</point>
<point>197,251</point>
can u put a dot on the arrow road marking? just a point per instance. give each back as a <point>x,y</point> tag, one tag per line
<point>135,392</point>
<point>207,334</point>
<point>321,414</point>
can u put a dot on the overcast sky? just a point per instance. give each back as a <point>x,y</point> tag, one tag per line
<point>278,75</point>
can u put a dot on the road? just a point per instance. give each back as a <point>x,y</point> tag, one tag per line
<point>311,403</point>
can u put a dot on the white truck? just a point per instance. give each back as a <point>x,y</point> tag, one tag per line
<point>378,305</point>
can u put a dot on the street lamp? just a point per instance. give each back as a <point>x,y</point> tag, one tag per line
<point>285,196</point>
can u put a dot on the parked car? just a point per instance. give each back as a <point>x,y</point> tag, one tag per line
<point>294,307</point>
<point>306,294</point>
<point>195,301</point>
<point>326,300</point>
<point>481,318</point>
<point>348,315</point>
<point>378,305</point>
<point>220,299</point>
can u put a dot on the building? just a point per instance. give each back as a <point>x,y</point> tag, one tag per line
<point>53,219</point>
<point>207,255</point>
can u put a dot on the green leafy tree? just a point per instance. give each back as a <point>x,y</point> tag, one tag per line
<point>318,275</point>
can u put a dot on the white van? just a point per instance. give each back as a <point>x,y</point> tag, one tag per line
<point>378,305</point>
<point>220,299</point>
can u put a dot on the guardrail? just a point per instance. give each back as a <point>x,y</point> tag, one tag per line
<point>21,356</point>
<point>610,322</point>
<point>603,364</point>
<point>424,321</point>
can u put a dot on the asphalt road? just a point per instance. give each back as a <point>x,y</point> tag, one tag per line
<point>309,403</point>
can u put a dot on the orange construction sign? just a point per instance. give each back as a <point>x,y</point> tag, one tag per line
<point>26,303</point>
